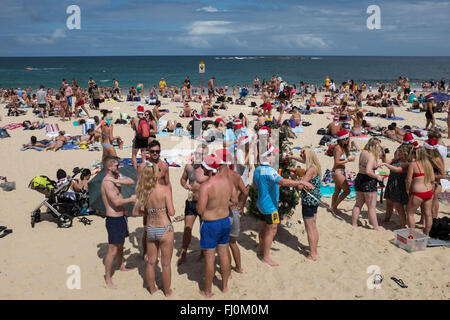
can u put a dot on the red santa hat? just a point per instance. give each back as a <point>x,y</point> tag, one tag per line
<point>237,124</point>
<point>264,130</point>
<point>416,145</point>
<point>224,156</point>
<point>343,134</point>
<point>211,163</point>
<point>430,144</point>
<point>269,151</point>
<point>408,138</point>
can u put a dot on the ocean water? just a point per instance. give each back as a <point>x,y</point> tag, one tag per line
<point>228,70</point>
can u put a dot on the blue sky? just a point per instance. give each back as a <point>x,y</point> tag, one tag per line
<point>227,27</point>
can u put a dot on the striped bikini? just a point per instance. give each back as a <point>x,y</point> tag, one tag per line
<point>156,233</point>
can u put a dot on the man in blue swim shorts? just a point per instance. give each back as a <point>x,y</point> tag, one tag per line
<point>267,181</point>
<point>116,223</point>
<point>215,196</point>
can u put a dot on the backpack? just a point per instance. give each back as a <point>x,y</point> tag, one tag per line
<point>440,228</point>
<point>143,131</point>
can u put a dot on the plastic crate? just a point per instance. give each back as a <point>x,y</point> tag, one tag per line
<point>410,239</point>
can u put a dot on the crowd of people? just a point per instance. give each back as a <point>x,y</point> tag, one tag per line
<point>218,175</point>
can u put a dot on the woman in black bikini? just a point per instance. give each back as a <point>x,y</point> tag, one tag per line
<point>366,183</point>
<point>155,201</point>
<point>395,193</point>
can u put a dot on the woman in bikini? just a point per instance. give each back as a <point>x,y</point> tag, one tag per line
<point>107,139</point>
<point>437,162</point>
<point>155,201</point>
<point>419,185</point>
<point>366,183</point>
<point>341,157</point>
<point>153,125</point>
<point>395,192</point>
<point>357,123</point>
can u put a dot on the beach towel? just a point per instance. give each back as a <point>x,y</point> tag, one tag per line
<point>12,126</point>
<point>70,146</point>
<point>52,130</point>
<point>32,148</point>
<point>162,134</point>
<point>393,118</point>
<point>432,242</point>
<point>363,137</point>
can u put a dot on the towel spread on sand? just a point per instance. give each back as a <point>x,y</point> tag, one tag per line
<point>12,126</point>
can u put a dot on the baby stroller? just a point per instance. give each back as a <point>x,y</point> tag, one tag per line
<point>61,208</point>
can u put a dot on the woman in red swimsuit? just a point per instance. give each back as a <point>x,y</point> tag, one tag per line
<point>419,185</point>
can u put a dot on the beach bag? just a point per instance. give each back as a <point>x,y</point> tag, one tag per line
<point>440,229</point>
<point>143,131</point>
<point>253,104</point>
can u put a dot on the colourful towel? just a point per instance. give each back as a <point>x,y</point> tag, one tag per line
<point>12,126</point>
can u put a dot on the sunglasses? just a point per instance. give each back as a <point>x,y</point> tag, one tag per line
<point>155,151</point>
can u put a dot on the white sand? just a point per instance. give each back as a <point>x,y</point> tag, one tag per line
<point>33,262</point>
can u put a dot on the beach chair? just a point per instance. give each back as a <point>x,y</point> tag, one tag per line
<point>52,130</point>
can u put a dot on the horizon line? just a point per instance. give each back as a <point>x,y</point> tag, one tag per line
<point>234,55</point>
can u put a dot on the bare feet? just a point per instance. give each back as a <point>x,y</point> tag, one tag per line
<point>270,262</point>
<point>168,293</point>
<point>206,295</point>
<point>110,284</point>
<point>313,257</point>
<point>239,270</point>
<point>379,229</point>
<point>225,290</point>
<point>182,257</point>
<point>123,268</point>
<point>152,290</point>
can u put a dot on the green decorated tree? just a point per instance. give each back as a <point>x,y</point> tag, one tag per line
<point>289,198</point>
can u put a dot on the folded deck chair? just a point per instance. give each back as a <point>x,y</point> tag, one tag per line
<point>52,130</point>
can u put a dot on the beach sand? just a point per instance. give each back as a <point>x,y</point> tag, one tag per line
<point>34,262</point>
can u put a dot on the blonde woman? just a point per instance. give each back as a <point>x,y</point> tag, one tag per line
<point>437,162</point>
<point>310,199</point>
<point>419,185</point>
<point>366,183</point>
<point>155,201</point>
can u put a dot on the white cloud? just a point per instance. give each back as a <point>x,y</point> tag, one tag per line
<point>208,9</point>
<point>210,27</point>
<point>39,39</point>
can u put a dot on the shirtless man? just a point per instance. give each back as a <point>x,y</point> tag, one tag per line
<point>334,127</point>
<point>191,180</point>
<point>154,149</point>
<point>116,223</point>
<point>211,88</point>
<point>215,197</point>
<point>79,94</point>
<point>236,209</point>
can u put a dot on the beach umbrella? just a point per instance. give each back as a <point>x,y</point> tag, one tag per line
<point>95,193</point>
<point>438,96</point>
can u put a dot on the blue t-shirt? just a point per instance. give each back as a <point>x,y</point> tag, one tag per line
<point>230,136</point>
<point>266,180</point>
